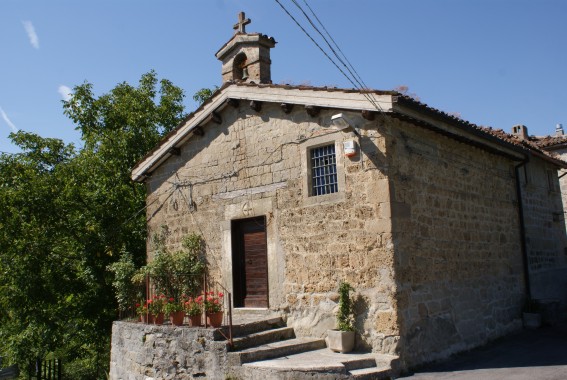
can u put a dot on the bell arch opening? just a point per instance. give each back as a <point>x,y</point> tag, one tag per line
<point>238,67</point>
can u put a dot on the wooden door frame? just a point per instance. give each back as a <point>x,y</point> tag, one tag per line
<point>238,265</point>
<point>276,256</point>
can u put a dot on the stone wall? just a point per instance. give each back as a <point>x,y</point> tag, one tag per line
<point>457,244</point>
<point>560,152</point>
<point>256,164</point>
<point>148,352</point>
<point>425,228</point>
<point>545,232</point>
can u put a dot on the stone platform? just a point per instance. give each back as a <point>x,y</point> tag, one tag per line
<point>264,348</point>
<point>323,364</point>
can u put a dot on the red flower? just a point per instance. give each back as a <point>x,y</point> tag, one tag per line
<point>171,299</point>
<point>221,294</point>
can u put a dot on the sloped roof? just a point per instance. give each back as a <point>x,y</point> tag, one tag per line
<point>387,102</point>
<point>528,147</point>
<point>549,142</point>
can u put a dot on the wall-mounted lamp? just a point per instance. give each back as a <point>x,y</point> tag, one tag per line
<point>340,121</point>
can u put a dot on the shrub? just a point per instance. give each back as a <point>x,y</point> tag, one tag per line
<point>345,319</point>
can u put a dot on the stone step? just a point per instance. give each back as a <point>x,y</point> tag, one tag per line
<point>274,350</point>
<point>263,337</point>
<point>242,328</point>
<point>365,362</point>
<point>270,374</point>
<point>322,364</point>
<point>373,373</point>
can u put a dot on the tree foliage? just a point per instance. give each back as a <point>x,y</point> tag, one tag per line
<point>204,94</point>
<point>67,214</point>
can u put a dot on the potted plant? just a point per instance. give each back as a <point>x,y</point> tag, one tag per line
<point>142,311</point>
<point>532,314</point>
<point>178,272</point>
<point>156,308</point>
<point>175,311</point>
<point>213,308</point>
<point>194,309</point>
<point>341,339</point>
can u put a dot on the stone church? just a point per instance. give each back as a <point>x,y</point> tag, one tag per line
<point>444,228</point>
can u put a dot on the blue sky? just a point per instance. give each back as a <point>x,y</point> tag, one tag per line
<point>495,62</point>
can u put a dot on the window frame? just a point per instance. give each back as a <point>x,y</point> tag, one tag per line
<point>306,148</point>
<point>329,177</point>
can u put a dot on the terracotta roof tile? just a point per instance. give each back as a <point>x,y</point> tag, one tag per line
<point>533,144</point>
<point>548,141</point>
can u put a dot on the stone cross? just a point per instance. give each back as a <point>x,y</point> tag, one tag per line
<point>240,27</point>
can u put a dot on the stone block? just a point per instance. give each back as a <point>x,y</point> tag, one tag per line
<point>378,191</point>
<point>378,226</point>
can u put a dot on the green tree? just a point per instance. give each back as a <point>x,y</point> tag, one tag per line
<point>33,238</point>
<point>204,94</point>
<point>67,214</point>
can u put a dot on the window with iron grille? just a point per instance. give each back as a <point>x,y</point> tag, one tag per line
<point>323,170</point>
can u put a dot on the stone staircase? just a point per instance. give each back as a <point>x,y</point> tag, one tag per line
<point>266,349</point>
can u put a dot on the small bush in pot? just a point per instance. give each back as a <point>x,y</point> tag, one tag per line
<point>342,338</point>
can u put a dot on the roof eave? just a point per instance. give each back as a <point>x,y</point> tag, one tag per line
<point>481,137</point>
<point>248,92</point>
<point>178,136</point>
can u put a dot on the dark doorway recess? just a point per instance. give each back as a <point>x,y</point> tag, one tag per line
<point>250,262</point>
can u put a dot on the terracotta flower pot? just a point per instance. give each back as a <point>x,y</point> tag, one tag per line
<point>215,319</point>
<point>158,319</point>
<point>177,318</point>
<point>195,320</point>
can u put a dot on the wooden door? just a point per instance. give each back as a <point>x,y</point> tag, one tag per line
<point>250,262</point>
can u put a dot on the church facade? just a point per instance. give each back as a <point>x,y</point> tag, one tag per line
<point>435,222</point>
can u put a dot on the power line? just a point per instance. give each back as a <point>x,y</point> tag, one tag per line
<point>355,75</point>
<point>326,41</point>
<point>360,86</point>
<point>315,42</point>
<point>335,43</point>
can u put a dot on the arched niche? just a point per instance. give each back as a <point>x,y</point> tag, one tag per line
<point>238,65</point>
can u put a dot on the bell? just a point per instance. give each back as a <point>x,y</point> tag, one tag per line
<point>245,73</point>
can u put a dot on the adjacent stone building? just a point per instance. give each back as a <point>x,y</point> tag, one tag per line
<point>443,228</point>
<point>556,145</point>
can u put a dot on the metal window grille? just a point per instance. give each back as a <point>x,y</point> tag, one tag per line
<point>323,170</point>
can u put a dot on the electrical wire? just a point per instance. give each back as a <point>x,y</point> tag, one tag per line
<point>315,42</point>
<point>335,43</point>
<point>356,79</point>
<point>360,86</point>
